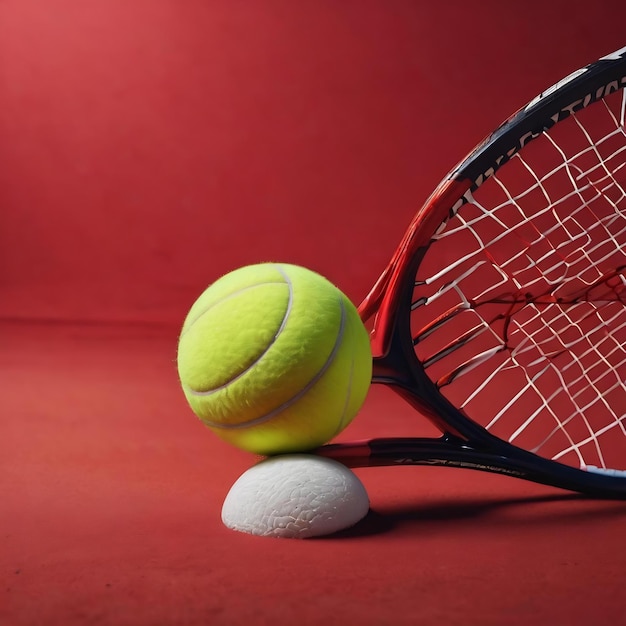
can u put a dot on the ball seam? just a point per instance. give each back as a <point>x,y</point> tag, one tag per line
<point>342,420</point>
<point>188,326</point>
<point>208,392</point>
<point>301,393</point>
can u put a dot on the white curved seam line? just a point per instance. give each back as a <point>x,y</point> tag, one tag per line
<point>208,392</point>
<point>344,414</point>
<point>291,401</point>
<point>228,297</point>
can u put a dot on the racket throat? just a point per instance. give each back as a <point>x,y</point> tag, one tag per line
<point>405,376</point>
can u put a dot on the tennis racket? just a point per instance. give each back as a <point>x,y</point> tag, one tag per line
<point>502,315</point>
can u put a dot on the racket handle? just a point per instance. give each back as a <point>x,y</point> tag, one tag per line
<point>451,451</point>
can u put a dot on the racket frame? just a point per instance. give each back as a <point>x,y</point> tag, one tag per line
<point>464,443</point>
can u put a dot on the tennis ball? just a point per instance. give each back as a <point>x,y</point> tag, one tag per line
<point>273,358</point>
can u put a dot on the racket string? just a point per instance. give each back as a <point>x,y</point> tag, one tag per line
<point>519,303</point>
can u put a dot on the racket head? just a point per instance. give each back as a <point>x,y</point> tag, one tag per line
<point>502,314</point>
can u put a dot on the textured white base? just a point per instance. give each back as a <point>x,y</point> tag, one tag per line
<point>295,496</point>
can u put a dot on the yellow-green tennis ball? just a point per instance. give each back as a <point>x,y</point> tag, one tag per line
<point>274,358</point>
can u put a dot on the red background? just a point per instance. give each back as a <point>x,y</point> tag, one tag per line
<point>148,146</point>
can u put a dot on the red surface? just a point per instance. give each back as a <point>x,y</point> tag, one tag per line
<point>147,147</point>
